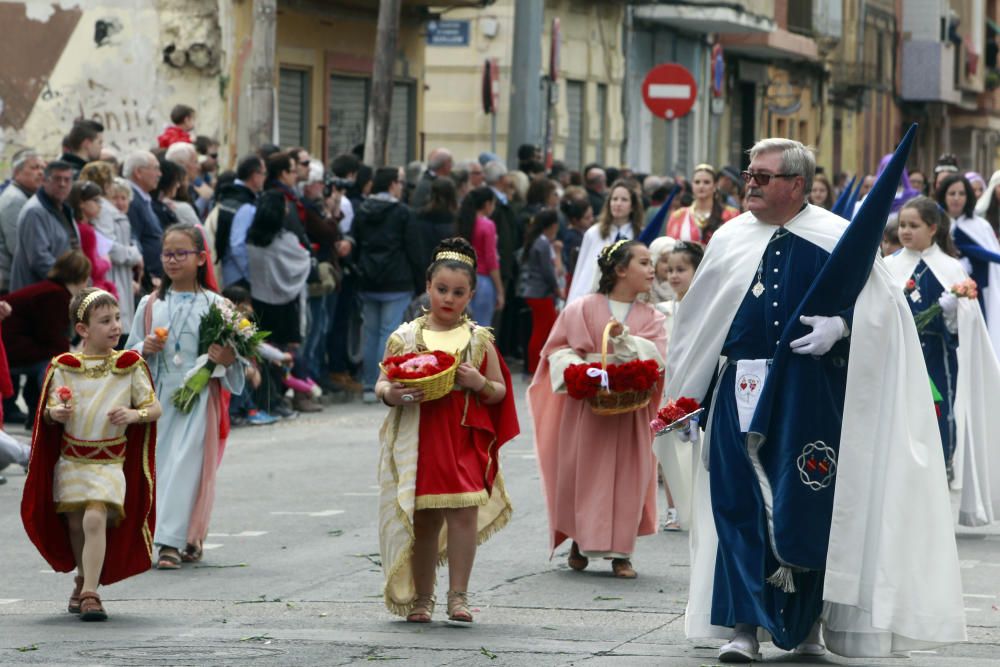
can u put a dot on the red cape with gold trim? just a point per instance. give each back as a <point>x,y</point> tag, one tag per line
<point>130,543</point>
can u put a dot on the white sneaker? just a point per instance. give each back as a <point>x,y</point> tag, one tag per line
<point>742,648</point>
<point>369,398</point>
<point>813,644</point>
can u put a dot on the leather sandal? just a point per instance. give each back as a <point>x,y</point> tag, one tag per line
<point>458,607</point>
<point>91,608</point>
<point>192,552</point>
<point>576,560</point>
<point>622,568</point>
<point>74,597</point>
<point>422,609</point>
<point>168,560</point>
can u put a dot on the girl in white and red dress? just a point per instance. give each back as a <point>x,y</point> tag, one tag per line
<point>439,471</point>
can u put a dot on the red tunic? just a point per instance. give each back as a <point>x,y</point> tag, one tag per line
<point>460,438</point>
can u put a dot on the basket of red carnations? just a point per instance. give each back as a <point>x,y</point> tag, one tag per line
<point>674,415</point>
<point>431,372</point>
<point>613,389</point>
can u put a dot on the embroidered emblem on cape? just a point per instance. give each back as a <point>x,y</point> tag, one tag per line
<point>747,386</point>
<point>817,465</point>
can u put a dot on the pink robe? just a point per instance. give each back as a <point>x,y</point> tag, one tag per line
<point>598,472</point>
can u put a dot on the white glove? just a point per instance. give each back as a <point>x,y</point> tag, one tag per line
<point>690,432</point>
<point>949,309</point>
<point>825,332</point>
<point>949,304</point>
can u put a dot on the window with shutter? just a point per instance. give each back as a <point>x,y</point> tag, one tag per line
<point>602,123</point>
<point>349,98</point>
<point>348,114</point>
<point>574,135</point>
<point>293,107</point>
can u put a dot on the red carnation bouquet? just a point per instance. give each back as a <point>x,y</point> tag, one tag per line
<point>671,415</point>
<point>584,381</point>
<point>417,365</point>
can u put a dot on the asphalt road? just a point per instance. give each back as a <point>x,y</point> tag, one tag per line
<point>291,577</point>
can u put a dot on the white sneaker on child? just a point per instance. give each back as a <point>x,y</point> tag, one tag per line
<point>742,648</point>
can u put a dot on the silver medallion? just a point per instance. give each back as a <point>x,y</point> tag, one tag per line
<point>758,289</point>
<point>178,360</point>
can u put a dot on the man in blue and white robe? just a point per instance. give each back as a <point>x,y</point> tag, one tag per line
<point>821,500</point>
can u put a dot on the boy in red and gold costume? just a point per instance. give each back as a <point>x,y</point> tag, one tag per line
<point>89,497</point>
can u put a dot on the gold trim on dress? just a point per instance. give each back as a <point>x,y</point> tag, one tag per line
<point>436,501</point>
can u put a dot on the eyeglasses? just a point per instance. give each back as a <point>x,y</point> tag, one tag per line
<point>762,179</point>
<point>177,255</point>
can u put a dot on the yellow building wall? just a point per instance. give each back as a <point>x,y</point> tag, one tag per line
<point>591,52</point>
<point>325,47</point>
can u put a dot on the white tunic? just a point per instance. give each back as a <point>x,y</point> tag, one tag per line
<point>98,387</point>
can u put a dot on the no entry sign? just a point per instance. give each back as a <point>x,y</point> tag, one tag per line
<point>669,91</point>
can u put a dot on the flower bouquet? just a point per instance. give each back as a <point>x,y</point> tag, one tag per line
<point>967,289</point>
<point>674,415</point>
<point>431,372</point>
<point>221,325</point>
<point>614,388</point>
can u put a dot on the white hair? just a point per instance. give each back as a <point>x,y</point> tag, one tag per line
<point>181,152</point>
<point>317,174</point>
<point>135,160</point>
<point>796,158</point>
<point>494,171</point>
<point>22,158</point>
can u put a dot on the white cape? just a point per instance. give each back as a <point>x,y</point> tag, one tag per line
<point>892,579</point>
<point>981,232</point>
<point>977,423</point>
<point>585,275</point>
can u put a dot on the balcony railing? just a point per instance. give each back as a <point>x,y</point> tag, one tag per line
<point>854,75</point>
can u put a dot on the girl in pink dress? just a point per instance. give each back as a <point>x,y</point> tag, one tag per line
<point>598,472</point>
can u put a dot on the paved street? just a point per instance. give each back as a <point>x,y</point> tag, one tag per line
<point>292,577</point>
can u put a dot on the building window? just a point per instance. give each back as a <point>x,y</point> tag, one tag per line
<point>602,121</point>
<point>574,136</point>
<point>293,107</point>
<point>348,118</point>
<point>800,16</point>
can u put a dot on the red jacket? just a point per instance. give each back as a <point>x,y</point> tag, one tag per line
<point>38,326</point>
<point>172,135</point>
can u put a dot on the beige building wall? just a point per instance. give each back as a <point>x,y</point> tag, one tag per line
<point>591,53</point>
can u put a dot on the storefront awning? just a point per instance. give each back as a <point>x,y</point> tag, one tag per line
<point>705,18</point>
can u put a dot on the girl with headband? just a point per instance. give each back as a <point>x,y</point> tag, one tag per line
<point>441,490</point>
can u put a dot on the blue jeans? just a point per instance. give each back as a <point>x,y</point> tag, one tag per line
<point>321,311</point>
<point>383,312</point>
<point>484,301</point>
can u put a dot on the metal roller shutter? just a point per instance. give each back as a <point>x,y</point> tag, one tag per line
<point>574,135</point>
<point>348,114</point>
<point>293,107</point>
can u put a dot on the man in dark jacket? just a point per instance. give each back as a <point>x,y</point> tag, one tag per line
<point>142,169</point>
<point>387,252</point>
<point>83,144</point>
<point>233,198</point>
<point>596,181</point>
<point>439,164</point>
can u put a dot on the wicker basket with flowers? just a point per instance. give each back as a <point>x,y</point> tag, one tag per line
<point>431,372</point>
<point>613,389</point>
